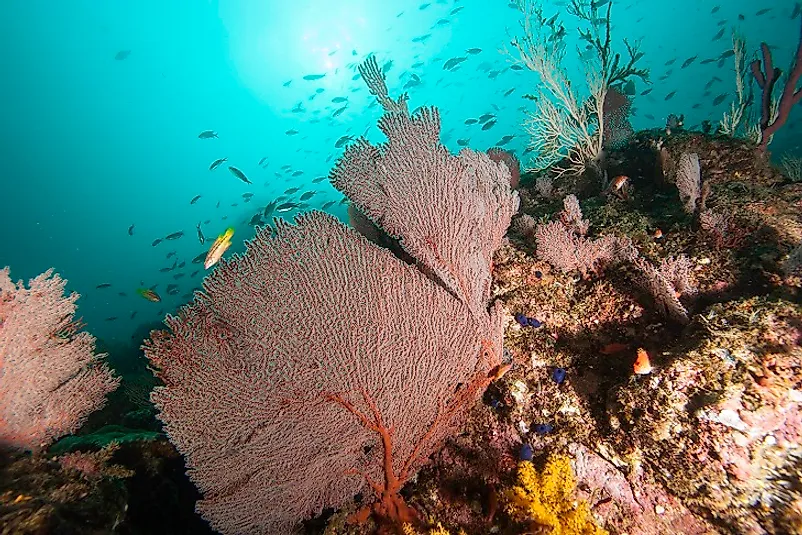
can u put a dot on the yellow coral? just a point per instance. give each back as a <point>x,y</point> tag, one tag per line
<point>439,530</point>
<point>547,499</point>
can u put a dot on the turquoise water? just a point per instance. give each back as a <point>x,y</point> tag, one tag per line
<point>104,103</point>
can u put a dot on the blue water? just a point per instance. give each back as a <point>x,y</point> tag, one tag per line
<point>92,144</point>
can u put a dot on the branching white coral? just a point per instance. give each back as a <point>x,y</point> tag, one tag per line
<point>565,127</point>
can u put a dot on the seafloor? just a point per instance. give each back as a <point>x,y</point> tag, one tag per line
<point>707,442</point>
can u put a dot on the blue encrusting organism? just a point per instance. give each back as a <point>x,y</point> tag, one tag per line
<point>558,375</point>
<point>525,321</point>
<point>526,453</point>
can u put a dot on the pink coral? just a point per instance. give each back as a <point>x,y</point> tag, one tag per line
<point>283,379</point>
<point>50,377</point>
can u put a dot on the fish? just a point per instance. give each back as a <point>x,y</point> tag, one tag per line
<point>194,199</point>
<point>263,160</point>
<point>255,220</point>
<point>291,132</point>
<point>172,289</point>
<point>217,163</point>
<point>762,11</point>
<point>286,207</point>
<point>489,124</point>
<point>269,209</point>
<point>688,61</point>
<point>339,111</point>
<point>328,204</point>
<point>338,100</point>
<point>719,99</point>
<point>312,77</point>
<point>297,173</point>
<point>453,62</point>
<point>112,318</point>
<point>670,95</point>
<point>207,134</point>
<point>103,285</point>
<point>122,54</point>
<point>200,258</point>
<point>133,314</point>
<point>201,237</point>
<point>131,230</point>
<point>471,121</point>
<point>239,174</point>
<point>618,182</point>
<point>171,254</point>
<point>719,35</point>
<point>340,143</point>
<point>308,195</point>
<point>319,179</point>
<point>642,365</point>
<point>156,242</point>
<point>473,51</point>
<point>174,235</point>
<point>218,248</point>
<point>797,10</point>
<point>506,139</point>
<point>149,294</point>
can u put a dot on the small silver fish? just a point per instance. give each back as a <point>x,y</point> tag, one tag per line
<point>287,206</point>
<point>239,174</point>
<point>201,237</point>
<point>217,163</point>
<point>207,134</point>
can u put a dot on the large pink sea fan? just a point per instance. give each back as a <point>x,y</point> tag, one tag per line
<point>50,377</point>
<point>310,365</point>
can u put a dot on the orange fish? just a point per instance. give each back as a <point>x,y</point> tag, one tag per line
<point>618,182</point>
<point>642,365</point>
<point>658,234</point>
<point>220,246</point>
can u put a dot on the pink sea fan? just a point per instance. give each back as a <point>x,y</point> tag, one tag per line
<point>498,154</point>
<point>667,283</point>
<point>450,212</point>
<point>617,128</point>
<point>689,181</point>
<point>571,216</point>
<point>50,377</point>
<point>562,248</point>
<point>267,372</point>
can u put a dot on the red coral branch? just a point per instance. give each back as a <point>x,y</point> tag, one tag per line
<point>390,506</point>
<point>766,80</point>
